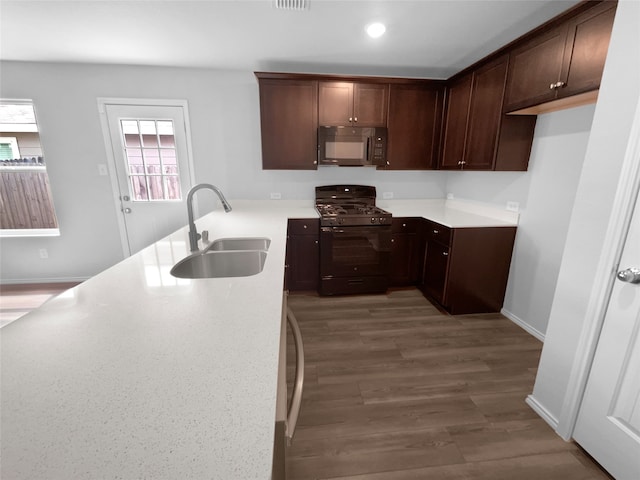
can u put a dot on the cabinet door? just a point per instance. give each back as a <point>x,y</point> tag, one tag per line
<point>485,115</point>
<point>303,262</point>
<point>533,68</point>
<point>413,127</point>
<point>288,121</point>
<point>370,104</point>
<point>335,106</point>
<point>405,251</point>
<point>436,265</point>
<point>586,49</point>
<point>455,123</point>
<point>303,254</point>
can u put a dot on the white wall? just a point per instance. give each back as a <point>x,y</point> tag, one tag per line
<point>225,127</point>
<point>619,94</point>
<point>224,116</point>
<point>545,193</point>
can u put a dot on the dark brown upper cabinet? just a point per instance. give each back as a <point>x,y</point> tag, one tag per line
<point>289,123</point>
<point>477,135</point>
<point>414,121</point>
<point>562,64</point>
<point>352,103</point>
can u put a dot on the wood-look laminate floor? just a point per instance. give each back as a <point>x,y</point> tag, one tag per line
<point>17,300</point>
<point>397,390</point>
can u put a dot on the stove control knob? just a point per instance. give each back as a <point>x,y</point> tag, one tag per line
<point>341,221</point>
<point>373,220</point>
<point>380,220</point>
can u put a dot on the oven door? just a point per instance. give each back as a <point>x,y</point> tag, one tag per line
<point>355,251</point>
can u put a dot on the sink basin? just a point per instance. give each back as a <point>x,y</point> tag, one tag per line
<point>220,263</point>
<point>248,243</point>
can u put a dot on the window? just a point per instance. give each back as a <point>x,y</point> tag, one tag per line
<point>9,148</point>
<point>150,151</point>
<point>27,205</point>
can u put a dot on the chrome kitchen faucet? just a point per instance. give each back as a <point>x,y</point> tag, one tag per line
<point>194,236</point>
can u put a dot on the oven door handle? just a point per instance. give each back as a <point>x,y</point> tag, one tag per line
<point>296,398</point>
<point>332,230</point>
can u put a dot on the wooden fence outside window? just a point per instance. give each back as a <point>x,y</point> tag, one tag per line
<point>25,198</point>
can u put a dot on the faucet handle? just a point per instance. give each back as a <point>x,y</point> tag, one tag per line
<point>205,237</point>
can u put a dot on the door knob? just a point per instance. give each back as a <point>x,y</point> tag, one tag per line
<point>629,275</point>
<point>126,210</point>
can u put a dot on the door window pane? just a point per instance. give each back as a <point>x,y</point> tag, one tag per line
<point>139,187</point>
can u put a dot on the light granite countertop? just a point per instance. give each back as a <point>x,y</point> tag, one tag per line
<point>135,374</point>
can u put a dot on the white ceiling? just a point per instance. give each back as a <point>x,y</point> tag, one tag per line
<point>425,38</point>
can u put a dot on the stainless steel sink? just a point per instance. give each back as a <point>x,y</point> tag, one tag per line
<point>220,263</point>
<point>248,243</point>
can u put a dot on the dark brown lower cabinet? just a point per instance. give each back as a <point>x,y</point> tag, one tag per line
<point>303,254</point>
<point>407,250</point>
<point>466,269</point>
<point>436,264</point>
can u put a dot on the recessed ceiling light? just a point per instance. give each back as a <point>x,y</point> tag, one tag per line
<point>375,30</point>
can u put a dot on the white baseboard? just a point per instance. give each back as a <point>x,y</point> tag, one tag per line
<point>24,281</point>
<point>543,412</point>
<point>522,324</point>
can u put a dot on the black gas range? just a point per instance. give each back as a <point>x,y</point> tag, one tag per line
<point>355,240</point>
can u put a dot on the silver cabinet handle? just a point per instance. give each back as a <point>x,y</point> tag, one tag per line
<point>355,119</point>
<point>350,119</point>
<point>445,254</point>
<point>436,231</point>
<point>629,275</point>
<point>296,397</point>
<point>126,210</point>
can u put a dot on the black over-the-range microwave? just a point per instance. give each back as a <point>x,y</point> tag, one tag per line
<point>352,146</point>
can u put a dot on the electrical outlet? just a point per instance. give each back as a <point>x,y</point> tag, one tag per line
<point>275,196</point>
<point>387,195</point>
<point>513,206</point>
<point>449,196</point>
<point>43,253</point>
<point>102,170</point>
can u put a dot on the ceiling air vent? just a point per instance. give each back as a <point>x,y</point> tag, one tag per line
<point>291,4</point>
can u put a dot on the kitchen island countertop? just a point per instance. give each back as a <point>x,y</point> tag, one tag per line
<point>137,374</point>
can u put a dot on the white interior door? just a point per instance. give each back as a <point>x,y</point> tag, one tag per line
<point>151,164</point>
<point>608,424</point>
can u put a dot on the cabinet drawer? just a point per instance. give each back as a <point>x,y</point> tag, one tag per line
<point>405,225</point>
<point>304,226</point>
<point>438,233</point>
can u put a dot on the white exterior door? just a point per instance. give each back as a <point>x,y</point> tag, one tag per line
<point>608,424</point>
<point>151,164</point>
